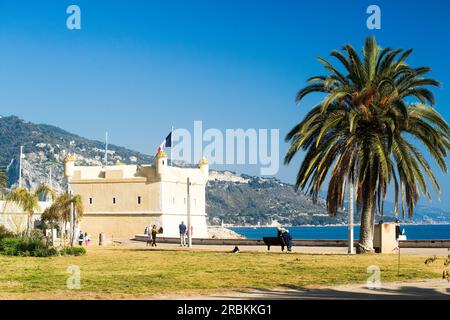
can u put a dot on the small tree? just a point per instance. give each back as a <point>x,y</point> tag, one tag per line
<point>29,201</point>
<point>52,217</point>
<point>59,212</point>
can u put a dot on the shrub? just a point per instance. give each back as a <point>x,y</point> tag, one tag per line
<point>34,245</point>
<point>72,251</point>
<point>25,247</point>
<point>5,233</point>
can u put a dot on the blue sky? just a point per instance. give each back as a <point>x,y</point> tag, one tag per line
<point>139,67</point>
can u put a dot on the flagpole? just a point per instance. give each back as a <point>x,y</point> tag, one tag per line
<point>171,147</point>
<point>20,166</point>
<point>106,149</point>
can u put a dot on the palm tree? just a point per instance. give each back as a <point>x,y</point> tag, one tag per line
<point>29,201</point>
<point>362,133</point>
<point>76,203</point>
<point>51,216</point>
<point>60,210</point>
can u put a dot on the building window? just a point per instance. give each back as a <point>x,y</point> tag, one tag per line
<point>114,200</point>
<point>173,200</point>
<point>184,200</point>
<point>90,200</point>
<point>195,202</point>
<point>139,200</point>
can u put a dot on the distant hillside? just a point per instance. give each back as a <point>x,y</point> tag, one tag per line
<point>46,146</point>
<point>236,199</point>
<point>248,199</point>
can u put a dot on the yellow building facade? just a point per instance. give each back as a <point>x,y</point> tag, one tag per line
<point>122,200</point>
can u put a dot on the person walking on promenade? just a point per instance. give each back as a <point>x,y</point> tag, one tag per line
<point>87,238</point>
<point>183,229</point>
<point>80,238</point>
<point>148,233</point>
<point>154,232</point>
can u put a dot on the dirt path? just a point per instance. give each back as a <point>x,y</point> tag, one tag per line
<point>426,289</point>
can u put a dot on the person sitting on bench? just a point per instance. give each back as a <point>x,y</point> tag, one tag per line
<point>287,240</point>
<point>280,232</point>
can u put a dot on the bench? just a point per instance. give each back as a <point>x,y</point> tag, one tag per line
<point>273,241</point>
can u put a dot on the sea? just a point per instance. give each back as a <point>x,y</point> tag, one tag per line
<point>412,232</point>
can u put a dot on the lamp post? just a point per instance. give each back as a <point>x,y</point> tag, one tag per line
<point>69,165</point>
<point>188,202</point>
<point>351,249</point>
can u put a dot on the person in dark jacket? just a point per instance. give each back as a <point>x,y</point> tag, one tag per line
<point>80,238</point>
<point>397,229</point>
<point>287,240</point>
<point>280,236</point>
<point>182,227</point>
<point>154,232</point>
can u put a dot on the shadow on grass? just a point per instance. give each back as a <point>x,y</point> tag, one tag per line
<point>242,251</point>
<point>406,292</point>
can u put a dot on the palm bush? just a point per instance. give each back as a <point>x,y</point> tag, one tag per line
<point>59,212</point>
<point>29,201</point>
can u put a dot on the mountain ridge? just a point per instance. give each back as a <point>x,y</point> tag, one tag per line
<point>230,197</point>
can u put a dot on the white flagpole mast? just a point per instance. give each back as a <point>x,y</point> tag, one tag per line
<point>106,148</point>
<point>171,147</point>
<point>20,166</point>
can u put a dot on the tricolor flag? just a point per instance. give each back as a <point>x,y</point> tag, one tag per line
<point>166,143</point>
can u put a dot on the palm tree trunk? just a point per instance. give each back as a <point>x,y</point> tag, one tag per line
<point>64,233</point>
<point>51,234</point>
<point>29,225</point>
<point>73,225</point>
<point>365,244</point>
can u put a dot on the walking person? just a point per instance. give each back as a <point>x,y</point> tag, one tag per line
<point>80,238</point>
<point>154,232</point>
<point>183,229</point>
<point>148,233</point>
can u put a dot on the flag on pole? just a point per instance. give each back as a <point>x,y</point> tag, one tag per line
<point>167,142</point>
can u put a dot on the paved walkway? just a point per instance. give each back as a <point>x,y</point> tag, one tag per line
<point>314,250</point>
<point>427,289</point>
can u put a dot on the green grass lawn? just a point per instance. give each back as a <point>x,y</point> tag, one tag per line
<point>120,272</point>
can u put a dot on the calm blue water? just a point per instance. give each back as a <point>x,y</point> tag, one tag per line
<point>413,232</point>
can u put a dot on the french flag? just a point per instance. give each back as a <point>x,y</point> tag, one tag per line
<point>166,143</point>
